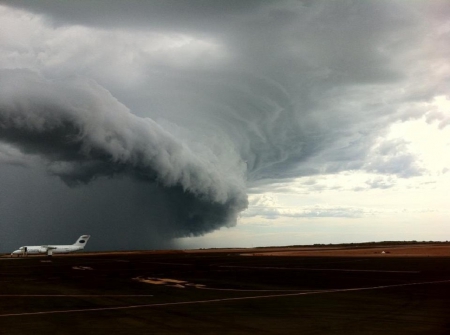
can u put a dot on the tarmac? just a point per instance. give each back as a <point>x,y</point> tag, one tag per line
<point>224,292</point>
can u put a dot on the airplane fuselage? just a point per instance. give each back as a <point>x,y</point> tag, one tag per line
<point>56,249</point>
<point>52,249</point>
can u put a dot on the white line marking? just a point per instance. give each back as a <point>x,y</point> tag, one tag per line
<point>313,269</point>
<point>75,295</point>
<point>220,300</point>
<point>242,290</point>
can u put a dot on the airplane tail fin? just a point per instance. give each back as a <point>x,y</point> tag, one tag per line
<point>82,240</point>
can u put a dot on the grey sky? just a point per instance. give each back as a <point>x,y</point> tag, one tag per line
<point>155,119</point>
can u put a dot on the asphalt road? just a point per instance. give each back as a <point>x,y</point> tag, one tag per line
<point>224,293</point>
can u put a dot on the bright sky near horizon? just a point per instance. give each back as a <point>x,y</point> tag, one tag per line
<point>167,124</point>
<point>353,206</point>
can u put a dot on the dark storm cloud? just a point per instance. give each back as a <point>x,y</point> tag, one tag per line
<point>193,102</point>
<point>84,134</point>
<point>137,13</point>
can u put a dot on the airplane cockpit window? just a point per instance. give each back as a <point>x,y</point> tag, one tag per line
<point>21,248</point>
<point>81,241</point>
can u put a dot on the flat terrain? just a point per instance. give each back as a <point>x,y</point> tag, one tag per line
<point>320,291</point>
<point>417,250</point>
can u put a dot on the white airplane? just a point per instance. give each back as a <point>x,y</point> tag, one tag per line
<point>52,249</point>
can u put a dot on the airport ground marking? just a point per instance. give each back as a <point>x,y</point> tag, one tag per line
<point>220,300</point>
<point>243,290</point>
<point>73,295</point>
<point>313,269</point>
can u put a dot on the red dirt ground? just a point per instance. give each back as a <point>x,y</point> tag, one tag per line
<point>389,251</point>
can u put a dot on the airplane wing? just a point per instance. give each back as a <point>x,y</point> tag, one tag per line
<point>48,247</point>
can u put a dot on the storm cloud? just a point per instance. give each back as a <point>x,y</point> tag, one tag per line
<point>83,133</point>
<point>160,116</point>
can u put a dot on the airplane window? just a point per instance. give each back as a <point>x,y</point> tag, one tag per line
<point>81,241</point>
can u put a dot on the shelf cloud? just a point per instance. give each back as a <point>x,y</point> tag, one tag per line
<point>160,116</point>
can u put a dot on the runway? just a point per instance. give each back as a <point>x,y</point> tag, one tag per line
<point>223,293</point>
<point>212,300</point>
<point>313,269</point>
